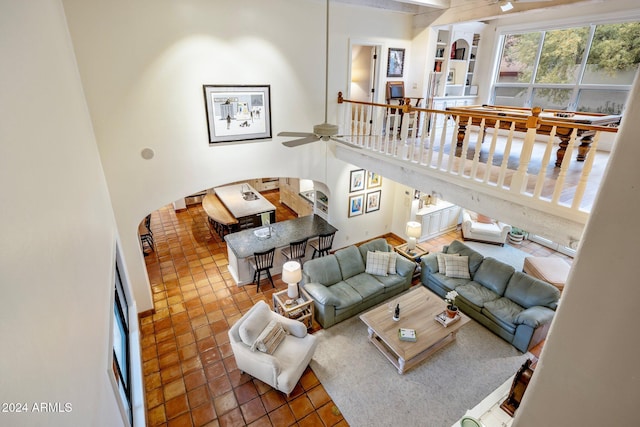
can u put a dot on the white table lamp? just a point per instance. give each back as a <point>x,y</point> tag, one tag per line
<point>413,231</point>
<point>292,274</point>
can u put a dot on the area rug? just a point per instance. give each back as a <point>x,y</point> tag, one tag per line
<point>369,391</point>
<point>507,254</point>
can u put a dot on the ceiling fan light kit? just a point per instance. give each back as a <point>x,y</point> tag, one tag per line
<point>325,130</point>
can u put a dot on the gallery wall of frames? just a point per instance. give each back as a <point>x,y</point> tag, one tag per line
<point>366,187</point>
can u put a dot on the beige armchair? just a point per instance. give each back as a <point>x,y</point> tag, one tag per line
<point>482,229</point>
<point>283,368</point>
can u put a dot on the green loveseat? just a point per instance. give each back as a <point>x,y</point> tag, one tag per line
<point>341,287</point>
<point>515,306</point>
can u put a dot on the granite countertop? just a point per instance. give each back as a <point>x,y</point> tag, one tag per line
<point>245,243</point>
<point>231,196</point>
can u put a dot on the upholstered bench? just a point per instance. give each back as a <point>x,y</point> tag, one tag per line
<point>552,270</point>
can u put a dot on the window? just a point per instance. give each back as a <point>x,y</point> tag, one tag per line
<point>587,68</point>
<point>121,354</point>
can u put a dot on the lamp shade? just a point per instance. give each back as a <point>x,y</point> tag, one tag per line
<point>291,272</point>
<point>414,229</point>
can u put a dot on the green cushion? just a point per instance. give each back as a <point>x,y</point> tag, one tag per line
<point>391,281</point>
<point>494,275</point>
<point>476,293</point>
<point>528,291</point>
<point>503,311</point>
<point>345,294</point>
<point>365,285</point>
<point>373,245</point>
<point>350,261</point>
<point>323,270</point>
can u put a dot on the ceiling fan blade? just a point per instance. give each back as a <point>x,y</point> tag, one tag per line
<point>296,134</point>
<point>301,141</point>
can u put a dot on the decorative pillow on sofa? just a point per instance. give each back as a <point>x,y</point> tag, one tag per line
<point>457,267</point>
<point>377,263</point>
<point>270,338</point>
<point>441,265</point>
<point>392,262</point>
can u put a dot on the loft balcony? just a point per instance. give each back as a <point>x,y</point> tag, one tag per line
<point>539,171</point>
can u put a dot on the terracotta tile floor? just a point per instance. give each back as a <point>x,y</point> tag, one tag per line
<point>190,375</point>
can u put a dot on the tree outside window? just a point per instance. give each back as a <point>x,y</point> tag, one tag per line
<point>587,68</point>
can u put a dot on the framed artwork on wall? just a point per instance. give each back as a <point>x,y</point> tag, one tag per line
<point>237,113</point>
<point>356,180</point>
<point>395,62</point>
<point>373,180</point>
<point>373,201</point>
<point>356,205</point>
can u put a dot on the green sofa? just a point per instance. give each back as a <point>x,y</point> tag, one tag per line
<point>341,287</point>
<point>515,306</point>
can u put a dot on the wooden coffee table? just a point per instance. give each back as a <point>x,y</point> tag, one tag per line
<point>418,308</point>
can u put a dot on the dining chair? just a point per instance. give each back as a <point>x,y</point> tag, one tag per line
<point>262,262</point>
<point>296,250</point>
<point>322,245</point>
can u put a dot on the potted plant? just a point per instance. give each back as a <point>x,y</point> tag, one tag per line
<point>516,236</point>
<point>452,308</point>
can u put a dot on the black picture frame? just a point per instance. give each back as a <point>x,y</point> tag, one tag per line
<point>373,201</point>
<point>237,112</point>
<point>395,62</point>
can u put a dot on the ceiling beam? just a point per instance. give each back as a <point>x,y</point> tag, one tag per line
<point>484,10</point>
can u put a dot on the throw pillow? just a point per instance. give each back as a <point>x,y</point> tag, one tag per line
<point>377,263</point>
<point>484,219</point>
<point>270,338</point>
<point>440,257</point>
<point>457,267</point>
<point>393,258</point>
<point>392,262</point>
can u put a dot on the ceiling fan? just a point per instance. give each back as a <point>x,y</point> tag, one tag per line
<point>324,131</point>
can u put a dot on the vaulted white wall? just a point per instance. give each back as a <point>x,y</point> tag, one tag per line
<point>143,65</point>
<point>58,230</point>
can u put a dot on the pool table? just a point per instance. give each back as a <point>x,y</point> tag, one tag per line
<point>492,113</point>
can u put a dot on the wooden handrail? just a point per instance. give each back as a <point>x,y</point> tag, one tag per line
<point>408,108</point>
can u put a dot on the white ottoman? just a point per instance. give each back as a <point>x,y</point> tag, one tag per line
<point>553,270</point>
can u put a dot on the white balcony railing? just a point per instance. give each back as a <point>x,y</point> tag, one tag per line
<point>527,156</point>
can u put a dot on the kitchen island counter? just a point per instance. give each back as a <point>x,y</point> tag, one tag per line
<point>243,244</point>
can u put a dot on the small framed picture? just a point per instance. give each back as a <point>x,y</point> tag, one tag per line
<point>356,180</point>
<point>373,201</point>
<point>356,205</point>
<point>451,77</point>
<point>373,180</point>
<point>395,62</point>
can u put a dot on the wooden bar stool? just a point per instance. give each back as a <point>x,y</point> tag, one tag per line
<point>262,262</point>
<point>322,245</point>
<point>296,250</point>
